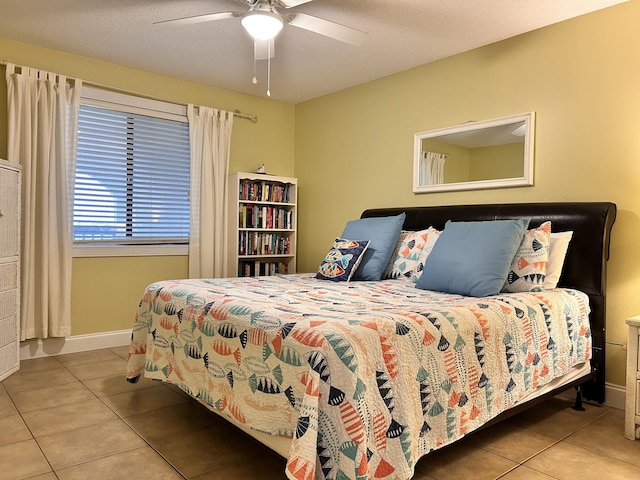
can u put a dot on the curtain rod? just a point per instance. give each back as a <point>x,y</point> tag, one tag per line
<point>236,113</point>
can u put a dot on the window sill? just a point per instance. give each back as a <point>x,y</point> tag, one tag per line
<point>85,251</point>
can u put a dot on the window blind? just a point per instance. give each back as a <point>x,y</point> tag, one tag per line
<point>132,177</point>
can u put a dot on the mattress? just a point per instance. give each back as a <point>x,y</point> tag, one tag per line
<point>361,378</point>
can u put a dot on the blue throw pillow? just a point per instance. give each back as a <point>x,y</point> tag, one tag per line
<point>342,260</point>
<point>473,258</point>
<point>383,233</point>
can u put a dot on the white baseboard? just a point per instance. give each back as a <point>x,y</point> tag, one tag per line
<point>73,344</point>
<point>614,395</point>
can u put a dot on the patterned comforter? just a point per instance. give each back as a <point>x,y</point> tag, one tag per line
<point>366,377</point>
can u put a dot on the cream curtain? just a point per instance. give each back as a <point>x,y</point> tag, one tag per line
<point>210,140</point>
<point>432,168</point>
<point>42,130</point>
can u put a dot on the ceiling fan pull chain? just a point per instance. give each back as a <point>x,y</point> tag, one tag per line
<point>254,80</point>
<point>269,69</point>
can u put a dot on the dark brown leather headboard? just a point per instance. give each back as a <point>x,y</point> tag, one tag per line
<point>586,262</point>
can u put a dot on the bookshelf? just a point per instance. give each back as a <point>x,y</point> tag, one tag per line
<point>262,224</point>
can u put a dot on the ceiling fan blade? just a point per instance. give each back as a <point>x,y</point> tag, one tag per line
<point>327,28</point>
<point>291,3</point>
<point>209,17</point>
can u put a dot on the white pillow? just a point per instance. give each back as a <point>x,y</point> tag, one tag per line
<point>559,243</point>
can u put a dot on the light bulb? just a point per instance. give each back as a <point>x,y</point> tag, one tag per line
<point>262,25</point>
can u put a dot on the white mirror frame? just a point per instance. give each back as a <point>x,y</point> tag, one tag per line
<point>525,180</point>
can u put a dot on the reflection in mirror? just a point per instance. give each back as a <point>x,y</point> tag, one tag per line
<point>487,154</point>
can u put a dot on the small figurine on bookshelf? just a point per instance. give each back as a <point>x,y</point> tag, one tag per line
<point>261,169</point>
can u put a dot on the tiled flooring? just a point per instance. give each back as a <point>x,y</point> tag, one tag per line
<point>63,418</point>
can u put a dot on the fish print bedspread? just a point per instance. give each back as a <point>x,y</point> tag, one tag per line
<point>367,377</point>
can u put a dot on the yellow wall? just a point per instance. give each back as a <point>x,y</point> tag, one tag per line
<point>106,291</point>
<point>498,161</point>
<point>582,78</point>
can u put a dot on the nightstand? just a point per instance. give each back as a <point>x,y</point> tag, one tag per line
<point>632,404</point>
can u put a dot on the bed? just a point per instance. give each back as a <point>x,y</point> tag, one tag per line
<point>360,379</point>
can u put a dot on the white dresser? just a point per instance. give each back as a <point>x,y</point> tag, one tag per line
<point>9,268</point>
<point>632,404</point>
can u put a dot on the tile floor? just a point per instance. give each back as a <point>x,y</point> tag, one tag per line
<point>61,418</point>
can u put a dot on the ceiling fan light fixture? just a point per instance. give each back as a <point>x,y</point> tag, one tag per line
<point>262,25</point>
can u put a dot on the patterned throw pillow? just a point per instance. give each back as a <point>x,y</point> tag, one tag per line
<point>529,266</point>
<point>432,236</point>
<point>343,259</point>
<point>405,254</point>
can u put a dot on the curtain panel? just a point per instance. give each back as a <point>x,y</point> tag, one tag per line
<point>432,168</point>
<point>42,137</point>
<point>210,142</point>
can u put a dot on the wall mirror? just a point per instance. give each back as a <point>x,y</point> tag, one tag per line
<point>475,155</point>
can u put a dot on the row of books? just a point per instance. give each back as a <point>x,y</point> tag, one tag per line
<point>264,191</point>
<point>257,268</point>
<point>260,243</point>
<point>255,216</point>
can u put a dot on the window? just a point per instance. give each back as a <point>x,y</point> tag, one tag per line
<point>132,171</point>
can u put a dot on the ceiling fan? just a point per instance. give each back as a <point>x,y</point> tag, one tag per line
<point>263,21</point>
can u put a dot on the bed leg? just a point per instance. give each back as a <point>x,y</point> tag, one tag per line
<point>578,405</point>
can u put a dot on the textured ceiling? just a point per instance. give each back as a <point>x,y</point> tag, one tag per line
<point>401,34</point>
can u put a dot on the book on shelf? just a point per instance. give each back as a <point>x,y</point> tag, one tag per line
<point>264,191</point>
<point>262,243</point>
<point>267,217</point>
<point>257,268</point>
